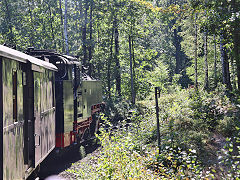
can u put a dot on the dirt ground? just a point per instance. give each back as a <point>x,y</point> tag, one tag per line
<point>54,168</point>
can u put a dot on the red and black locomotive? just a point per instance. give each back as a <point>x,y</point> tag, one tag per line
<point>46,102</point>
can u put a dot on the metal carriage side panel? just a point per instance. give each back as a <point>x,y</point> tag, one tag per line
<point>1,122</point>
<point>44,114</point>
<point>85,98</point>
<point>64,112</point>
<point>59,107</point>
<point>44,117</point>
<point>37,111</point>
<point>47,114</point>
<point>59,113</point>
<point>68,105</point>
<point>52,111</point>
<point>92,95</point>
<point>13,122</point>
<point>97,92</point>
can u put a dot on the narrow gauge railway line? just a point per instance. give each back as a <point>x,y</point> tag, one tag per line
<point>56,166</point>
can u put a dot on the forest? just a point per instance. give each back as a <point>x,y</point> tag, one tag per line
<point>190,49</point>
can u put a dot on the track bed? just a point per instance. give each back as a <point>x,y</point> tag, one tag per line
<point>69,160</point>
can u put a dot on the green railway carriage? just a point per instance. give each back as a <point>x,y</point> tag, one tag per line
<point>45,103</point>
<point>27,113</point>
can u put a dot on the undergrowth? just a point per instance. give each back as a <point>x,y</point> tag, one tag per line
<point>199,140</point>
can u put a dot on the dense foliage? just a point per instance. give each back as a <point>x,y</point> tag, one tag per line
<point>127,40</point>
<point>188,48</point>
<point>194,128</point>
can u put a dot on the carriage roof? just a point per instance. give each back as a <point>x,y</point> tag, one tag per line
<point>22,57</point>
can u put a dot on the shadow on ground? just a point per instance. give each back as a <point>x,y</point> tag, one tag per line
<point>54,165</point>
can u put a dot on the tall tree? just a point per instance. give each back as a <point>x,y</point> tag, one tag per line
<point>84,33</point>
<point>206,83</point>
<point>51,19</point>
<point>10,39</point>
<point>65,28</point>
<point>131,68</point>
<point>90,48</point>
<point>31,23</point>
<point>177,44</point>
<point>110,63</point>
<point>61,25</point>
<point>116,56</point>
<point>195,51</point>
<point>215,61</point>
<point>236,36</point>
<point>225,63</point>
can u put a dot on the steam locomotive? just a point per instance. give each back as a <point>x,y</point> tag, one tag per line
<point>46,102</point>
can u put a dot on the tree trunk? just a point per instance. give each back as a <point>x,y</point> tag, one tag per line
<point>65,28</point>
<point>10,35</point>
<point>233,72</point>
<point>90,29</point>
<point>206,83</point>
<point>51,25</point>
<point>215,61</point>
<point>45,45</point>
<point>98,63</point>
<point>31,21</point>
<point>131,68</point>
<point>236,43</point>
<point>118,74</point>
<point>109,65</point>
<point>84,34</point>
<point>62,31</point>
<point>236,40</point>
<point>225,63</point>
<point>134,65</point>
<point>81,21</point>
<point>196,54</point>
<point>177,52</point>
<point>81,14</point>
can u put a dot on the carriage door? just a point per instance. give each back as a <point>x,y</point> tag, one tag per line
<point>37,111</point>
<point>28,107</point>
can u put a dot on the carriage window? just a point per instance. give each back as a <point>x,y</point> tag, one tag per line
<point>14,78</point>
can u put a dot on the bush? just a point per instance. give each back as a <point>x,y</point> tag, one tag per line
<point>188,122</point>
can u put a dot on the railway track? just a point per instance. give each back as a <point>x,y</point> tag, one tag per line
<point>55,168</point>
